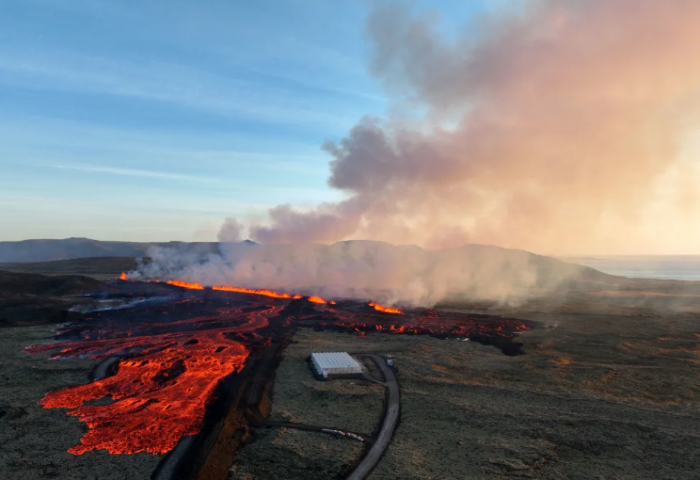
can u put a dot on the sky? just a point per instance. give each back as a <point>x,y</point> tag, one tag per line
<point>154,121</point>
<point>555,126</point>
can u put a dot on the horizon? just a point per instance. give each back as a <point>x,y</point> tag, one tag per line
<point>569,256</point>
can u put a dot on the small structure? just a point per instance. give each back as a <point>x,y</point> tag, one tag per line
<point>334,363</point>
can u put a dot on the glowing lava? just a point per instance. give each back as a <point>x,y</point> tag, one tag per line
<point>264,292</point>
<point>382,308</point>
<point>254,291</point>
<point>159,396</point>
<point>180,283</point>
<point>123,276</point>
<point>168,376</point>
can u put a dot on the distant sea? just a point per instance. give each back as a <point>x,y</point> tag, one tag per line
<point>667,267</point>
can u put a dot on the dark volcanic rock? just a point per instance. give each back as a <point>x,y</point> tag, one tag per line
<point>12,413</point>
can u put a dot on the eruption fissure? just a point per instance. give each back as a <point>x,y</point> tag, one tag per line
<point>262,291</point>
<point>190,285</point>
<point>270,293</point>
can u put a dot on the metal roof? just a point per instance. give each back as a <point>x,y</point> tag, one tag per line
<point>335,360</point>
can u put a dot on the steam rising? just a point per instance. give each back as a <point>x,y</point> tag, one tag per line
<point>366,270</point>
<point>564,128</point>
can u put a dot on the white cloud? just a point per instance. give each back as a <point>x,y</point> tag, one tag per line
<point>134,172</point>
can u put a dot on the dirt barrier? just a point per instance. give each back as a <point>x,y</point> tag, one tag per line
<point>242,398</point>
<point>106,368</point>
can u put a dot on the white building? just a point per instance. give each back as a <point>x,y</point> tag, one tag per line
<point>334,363</point>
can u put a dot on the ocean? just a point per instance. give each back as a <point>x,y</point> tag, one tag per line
<point>666,267</point>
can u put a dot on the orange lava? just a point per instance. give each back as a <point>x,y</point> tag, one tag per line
<point>168,376</point>
<point>382,308</point>
<point>254,291</point>
<point>158,396</point>
<point>180,283</point>
<point>267,293</point>
<point>123,276</point>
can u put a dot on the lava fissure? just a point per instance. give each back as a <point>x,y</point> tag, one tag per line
<point>175,355</point>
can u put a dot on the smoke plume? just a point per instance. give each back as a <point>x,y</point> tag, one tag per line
<point>560,129</point>
<point>566,127</point>
<point>230,231</point>
<point>367,270</point>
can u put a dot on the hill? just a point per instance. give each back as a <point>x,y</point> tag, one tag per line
<point>102,268</point>
<point>69,248</point>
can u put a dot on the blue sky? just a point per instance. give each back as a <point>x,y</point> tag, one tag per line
<point>151,120</point>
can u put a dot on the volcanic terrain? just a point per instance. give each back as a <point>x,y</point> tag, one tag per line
<point>196,368</point>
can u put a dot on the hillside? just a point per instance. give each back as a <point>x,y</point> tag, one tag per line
<point>481,264</point>
<point>69,248</point>
<point>102,268</point>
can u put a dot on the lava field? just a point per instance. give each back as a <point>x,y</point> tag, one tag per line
<point>176,350</point>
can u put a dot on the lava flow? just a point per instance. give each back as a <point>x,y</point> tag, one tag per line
<point>173,361</point>
<point>180,283</point>
<point>159,395</point>
<point>382,308</point>
<point>266,293</point>
<point>175,354</point>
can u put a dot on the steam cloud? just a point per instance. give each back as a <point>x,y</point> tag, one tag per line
<point>366,270</point>
<point>562,128</point>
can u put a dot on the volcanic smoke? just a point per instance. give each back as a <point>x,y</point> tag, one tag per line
<point>566,127</point>
<point>361,270</point>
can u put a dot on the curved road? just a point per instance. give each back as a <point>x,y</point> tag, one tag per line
<point>391,417</point>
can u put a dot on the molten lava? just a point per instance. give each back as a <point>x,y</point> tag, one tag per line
<point>175,354</point>
<point>123,276</point>
<point>180,283</point>
<point>161,390</point>
<point>382,308</point>
<point>159,396</point>
<point>264,292</point>
<point>253,291</point>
